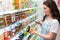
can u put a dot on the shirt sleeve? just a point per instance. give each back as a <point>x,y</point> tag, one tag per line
<point>54,27</point>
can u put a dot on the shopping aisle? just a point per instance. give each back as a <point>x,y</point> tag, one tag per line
<point>16,18</point>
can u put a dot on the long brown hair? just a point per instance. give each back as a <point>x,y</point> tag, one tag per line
<point>54,9</point>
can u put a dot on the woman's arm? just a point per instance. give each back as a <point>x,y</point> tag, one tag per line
<point>49,36</point>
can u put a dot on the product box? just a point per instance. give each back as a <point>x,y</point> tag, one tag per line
<point>2,21</point>
<point>8,19</point>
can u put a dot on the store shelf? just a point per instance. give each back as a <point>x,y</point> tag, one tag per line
<point>15,24</point>
<point>27,18</point>
<point>11,27</point>
<point>16,36</point>
<point>26,9</point>
<point>13,11</point>
<point>26,37</point>
<point>13,30</point>
<point>8,28</point>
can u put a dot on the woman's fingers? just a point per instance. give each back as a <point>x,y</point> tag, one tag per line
<point>38,22</point>
<point>32,30</point>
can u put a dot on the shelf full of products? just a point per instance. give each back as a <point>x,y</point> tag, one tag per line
<point>10,27</point>
<point>21,32</point>
<point>19,10</point>
<point>15,24</point>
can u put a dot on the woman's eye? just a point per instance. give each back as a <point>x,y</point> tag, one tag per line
<point>44,8</point>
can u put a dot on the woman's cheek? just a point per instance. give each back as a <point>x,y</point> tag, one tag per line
<point>47,11</point>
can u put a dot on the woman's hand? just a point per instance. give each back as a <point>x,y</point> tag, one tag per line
<point>32,31</point>
<point>38,22</point>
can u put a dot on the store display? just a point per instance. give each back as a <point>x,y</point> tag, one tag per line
<point>11,21</point>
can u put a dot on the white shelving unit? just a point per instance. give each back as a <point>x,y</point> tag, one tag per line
<point>16,36</point>
<point>13,11</point>
<point>25,38</point>
<point>12,26</point>
<point>15,24</point>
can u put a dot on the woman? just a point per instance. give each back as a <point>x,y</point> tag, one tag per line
<point>50,22</point>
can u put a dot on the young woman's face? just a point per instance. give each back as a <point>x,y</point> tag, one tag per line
<point>46,10</point>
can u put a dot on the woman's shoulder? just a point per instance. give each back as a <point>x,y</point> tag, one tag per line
<point>55,21</point>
